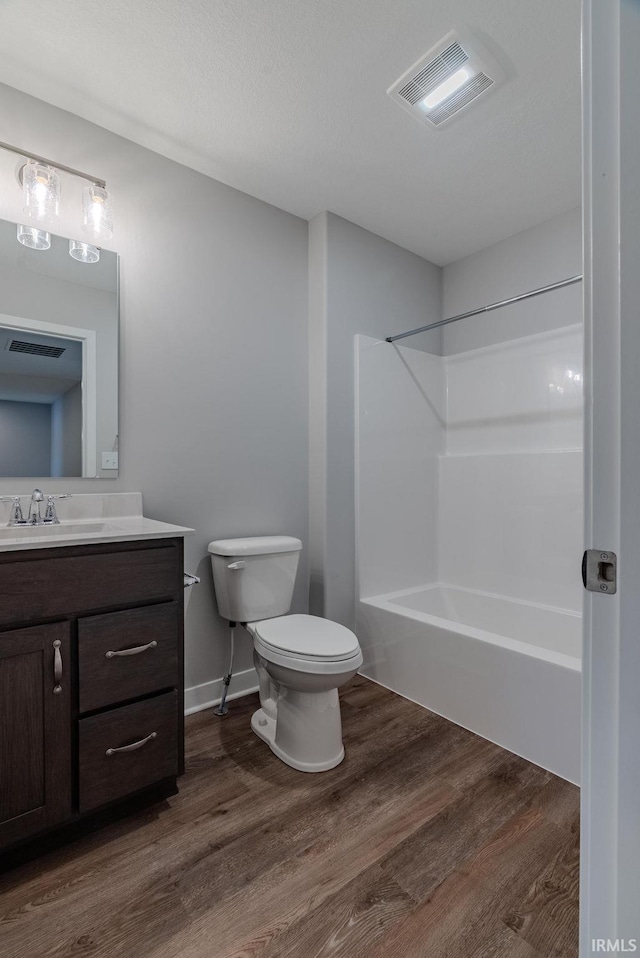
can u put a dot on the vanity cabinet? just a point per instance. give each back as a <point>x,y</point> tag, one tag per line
<point>35,730</point>
<point>91,681</point>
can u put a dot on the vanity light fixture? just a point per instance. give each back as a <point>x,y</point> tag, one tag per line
<point>83,252</point>
<point>40,190</point>
<point>40,181</point>
<point>34,238</point>
<point>97,215</point>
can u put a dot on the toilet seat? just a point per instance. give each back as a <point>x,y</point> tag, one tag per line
<point>306,643</point>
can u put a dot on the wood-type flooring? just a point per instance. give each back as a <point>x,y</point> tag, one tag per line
<point>427,842</point>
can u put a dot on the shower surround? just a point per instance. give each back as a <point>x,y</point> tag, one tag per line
<point>469,535</point>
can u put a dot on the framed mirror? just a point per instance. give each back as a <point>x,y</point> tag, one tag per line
<point>58,361</point>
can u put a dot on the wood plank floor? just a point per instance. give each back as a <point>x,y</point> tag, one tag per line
<point>426,842</point>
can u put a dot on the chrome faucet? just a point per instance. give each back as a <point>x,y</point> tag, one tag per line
<point>34,517</point>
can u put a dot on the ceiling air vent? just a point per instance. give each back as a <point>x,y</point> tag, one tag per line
<point>452,75</point>
<point>35,349</point>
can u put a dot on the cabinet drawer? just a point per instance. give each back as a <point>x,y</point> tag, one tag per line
<point>127,749</point>
<point>123,655</point>
<point>87,578</point>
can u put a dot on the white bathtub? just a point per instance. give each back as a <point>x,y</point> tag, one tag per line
<point>507,670</point>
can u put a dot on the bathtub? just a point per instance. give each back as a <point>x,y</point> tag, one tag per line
<point>508,670</point>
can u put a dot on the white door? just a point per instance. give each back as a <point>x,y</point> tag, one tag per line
<point>610,889</point>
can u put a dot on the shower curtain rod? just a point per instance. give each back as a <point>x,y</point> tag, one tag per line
<point>487,309</point>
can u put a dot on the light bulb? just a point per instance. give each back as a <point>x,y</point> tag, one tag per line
<point>83,252</point>
<point>97,215</point>
<point>444,90</point>
<point>34,238</point>
<point>40,190</point>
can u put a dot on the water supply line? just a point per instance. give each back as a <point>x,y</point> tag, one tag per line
<point>223,708</point>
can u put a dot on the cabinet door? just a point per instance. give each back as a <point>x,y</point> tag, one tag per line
<point>35,730</point>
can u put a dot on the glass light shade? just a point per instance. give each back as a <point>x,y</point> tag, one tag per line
<point>97,214</point>
<point>34,238</point>
<point>40,190</point>
<point>83,252</point>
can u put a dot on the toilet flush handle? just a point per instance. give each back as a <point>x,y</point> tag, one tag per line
<point>237,565</point>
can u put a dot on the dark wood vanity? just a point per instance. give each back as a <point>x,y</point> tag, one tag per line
<point>91,682</point>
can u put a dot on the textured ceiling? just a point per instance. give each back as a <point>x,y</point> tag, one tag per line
<point>287,101</point>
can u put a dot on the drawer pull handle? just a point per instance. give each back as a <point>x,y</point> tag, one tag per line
<point>57,667</point>
<point>134,651</point>
<point>132,747</point>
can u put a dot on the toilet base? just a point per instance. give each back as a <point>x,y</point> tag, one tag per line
<point>265,728</point>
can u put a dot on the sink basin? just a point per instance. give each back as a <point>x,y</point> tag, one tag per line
<point>88,520</point>
<point>63,529</point>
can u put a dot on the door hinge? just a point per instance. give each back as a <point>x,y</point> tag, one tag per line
<point>600,571</point>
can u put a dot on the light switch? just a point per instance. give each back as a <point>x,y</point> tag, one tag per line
<point>109,460</point>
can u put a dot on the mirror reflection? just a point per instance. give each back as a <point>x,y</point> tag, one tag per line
<point>58,361</point>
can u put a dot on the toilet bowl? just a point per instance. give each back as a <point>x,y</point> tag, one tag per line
<point>301,660</point>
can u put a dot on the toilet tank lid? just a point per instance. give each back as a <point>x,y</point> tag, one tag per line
<point>254,546</point>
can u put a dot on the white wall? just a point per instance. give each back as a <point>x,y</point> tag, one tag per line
<point>214,352</point>
<point>25,438</point>
<point>373,287</point>
<point>400,434</point>
<point>509,489</point>
<point>528,260</point>
<point>514,419</point>
<point>511,479</point>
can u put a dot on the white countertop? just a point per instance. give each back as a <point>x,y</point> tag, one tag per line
<point>90,520</point>
<point>87,531</point>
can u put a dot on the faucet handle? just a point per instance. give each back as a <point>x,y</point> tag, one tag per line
<point>50,515</point>
<point>16,510</point>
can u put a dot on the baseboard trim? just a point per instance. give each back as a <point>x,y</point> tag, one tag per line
<point>205,696</point>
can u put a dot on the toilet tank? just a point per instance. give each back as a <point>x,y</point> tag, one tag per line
<point>254,577</point>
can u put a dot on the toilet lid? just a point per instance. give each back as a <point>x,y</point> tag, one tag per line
<point>308,636</point>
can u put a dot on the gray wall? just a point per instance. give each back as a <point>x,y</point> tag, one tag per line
<point>218,350</point>
<point>317,412</point>
<point>66,433</point>
<point>214,353</point>
<point>533,258</point>
<point>359,283</point>
<point>25,438</point>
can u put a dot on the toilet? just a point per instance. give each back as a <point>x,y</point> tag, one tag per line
<point>301,660</point>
